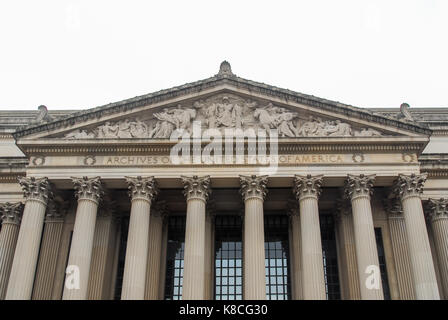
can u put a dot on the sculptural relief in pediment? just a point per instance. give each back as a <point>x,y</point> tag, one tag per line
<point>224,111</point>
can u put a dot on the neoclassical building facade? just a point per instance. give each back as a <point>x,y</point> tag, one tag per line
<point>161,197</point>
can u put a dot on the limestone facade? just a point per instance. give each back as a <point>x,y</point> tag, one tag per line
<point>86,195</point>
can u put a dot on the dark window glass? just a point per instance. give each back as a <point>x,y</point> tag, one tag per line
<point>330,257</point>
<point>278,285</point>
<point>175,258</point>
<point>382,261</point>
<point>228,258</point>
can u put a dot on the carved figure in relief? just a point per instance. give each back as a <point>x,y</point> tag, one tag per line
<point>286,127</point>
<point>264,115</point>
<point>108,131</point>
<point>165,126</point>
<point>225,112</point>
<point>183,117</point>
<point>308,128</point>
<point>139,129</point>
<point>124,129</point>
<point>367,132</point>
<point>338,128</point>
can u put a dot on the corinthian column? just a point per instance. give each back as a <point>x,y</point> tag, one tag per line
<point>11,213</point>
<point>156,223</point>
<point>89,193</point>
<point>307,190</point>
<point>296,272</point>
<point>142,191</point>
<point>254,190</point>
<point>209,251</point>
<point>358,189</point>
<point>400,248</point>
<point>37,192</point>
<point>346,238</point>
<point>48,256</point>
<point>438,213</point>
<point>408,189</point>
<point>196,190</point>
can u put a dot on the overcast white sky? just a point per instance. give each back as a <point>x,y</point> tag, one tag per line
<point>82,54</point>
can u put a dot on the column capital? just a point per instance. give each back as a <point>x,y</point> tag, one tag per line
<point>393,207</point>
<point>38,189</point>
<point>293,209</point>
<point>438,208</point>
<point>88,188</point>
<point>343,209</point>
<point>307,186</point>
<point>253,186</point>
<point>409,185</point>
<point>11,212</point>
<point>159,209</point>
<point>144,188</point>
<point>359,186</point>
<point>196,187</point>
<point>56,211</point>
<point>210,209</point>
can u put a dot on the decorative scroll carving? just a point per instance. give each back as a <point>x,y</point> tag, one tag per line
<point>11,212</point>
<point>142,188</point>
<point>88,188</point>
<point>361,185</point>
<point>411,185</point>
<point>306,186</point>
<point>253,186</point>
<point>36,188</point>
<point>222,112</point>
<point>196,187</point>
<point>438,208</point>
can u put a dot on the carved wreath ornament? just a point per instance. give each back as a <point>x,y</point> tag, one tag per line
<point>220,113</point>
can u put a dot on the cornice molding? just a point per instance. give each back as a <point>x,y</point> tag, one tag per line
<point>160,148</point>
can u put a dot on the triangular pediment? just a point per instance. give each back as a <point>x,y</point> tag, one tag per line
<point>222,102</point>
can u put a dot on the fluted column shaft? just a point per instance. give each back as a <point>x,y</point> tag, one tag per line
<point>358,190</point>
<point>46,268</point>
<point>196,191</point>
<point>399,241</point>
<point>440,231</point>
<point>103,254</point>
<point>409,189</point>
<point>89,192</point>
<point>254,253</point>
<point>209,259</point>
<point>194,256</point>
<point>438,213</point>
<point>136,251</point>
<point>307,190</point>
<point>296,253</point>
<point>253,189</point>
<point>37,192</point>
<point>154,255</point>
<point>10,215</point>
<point>347,243</point>
<point>142,191</point>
